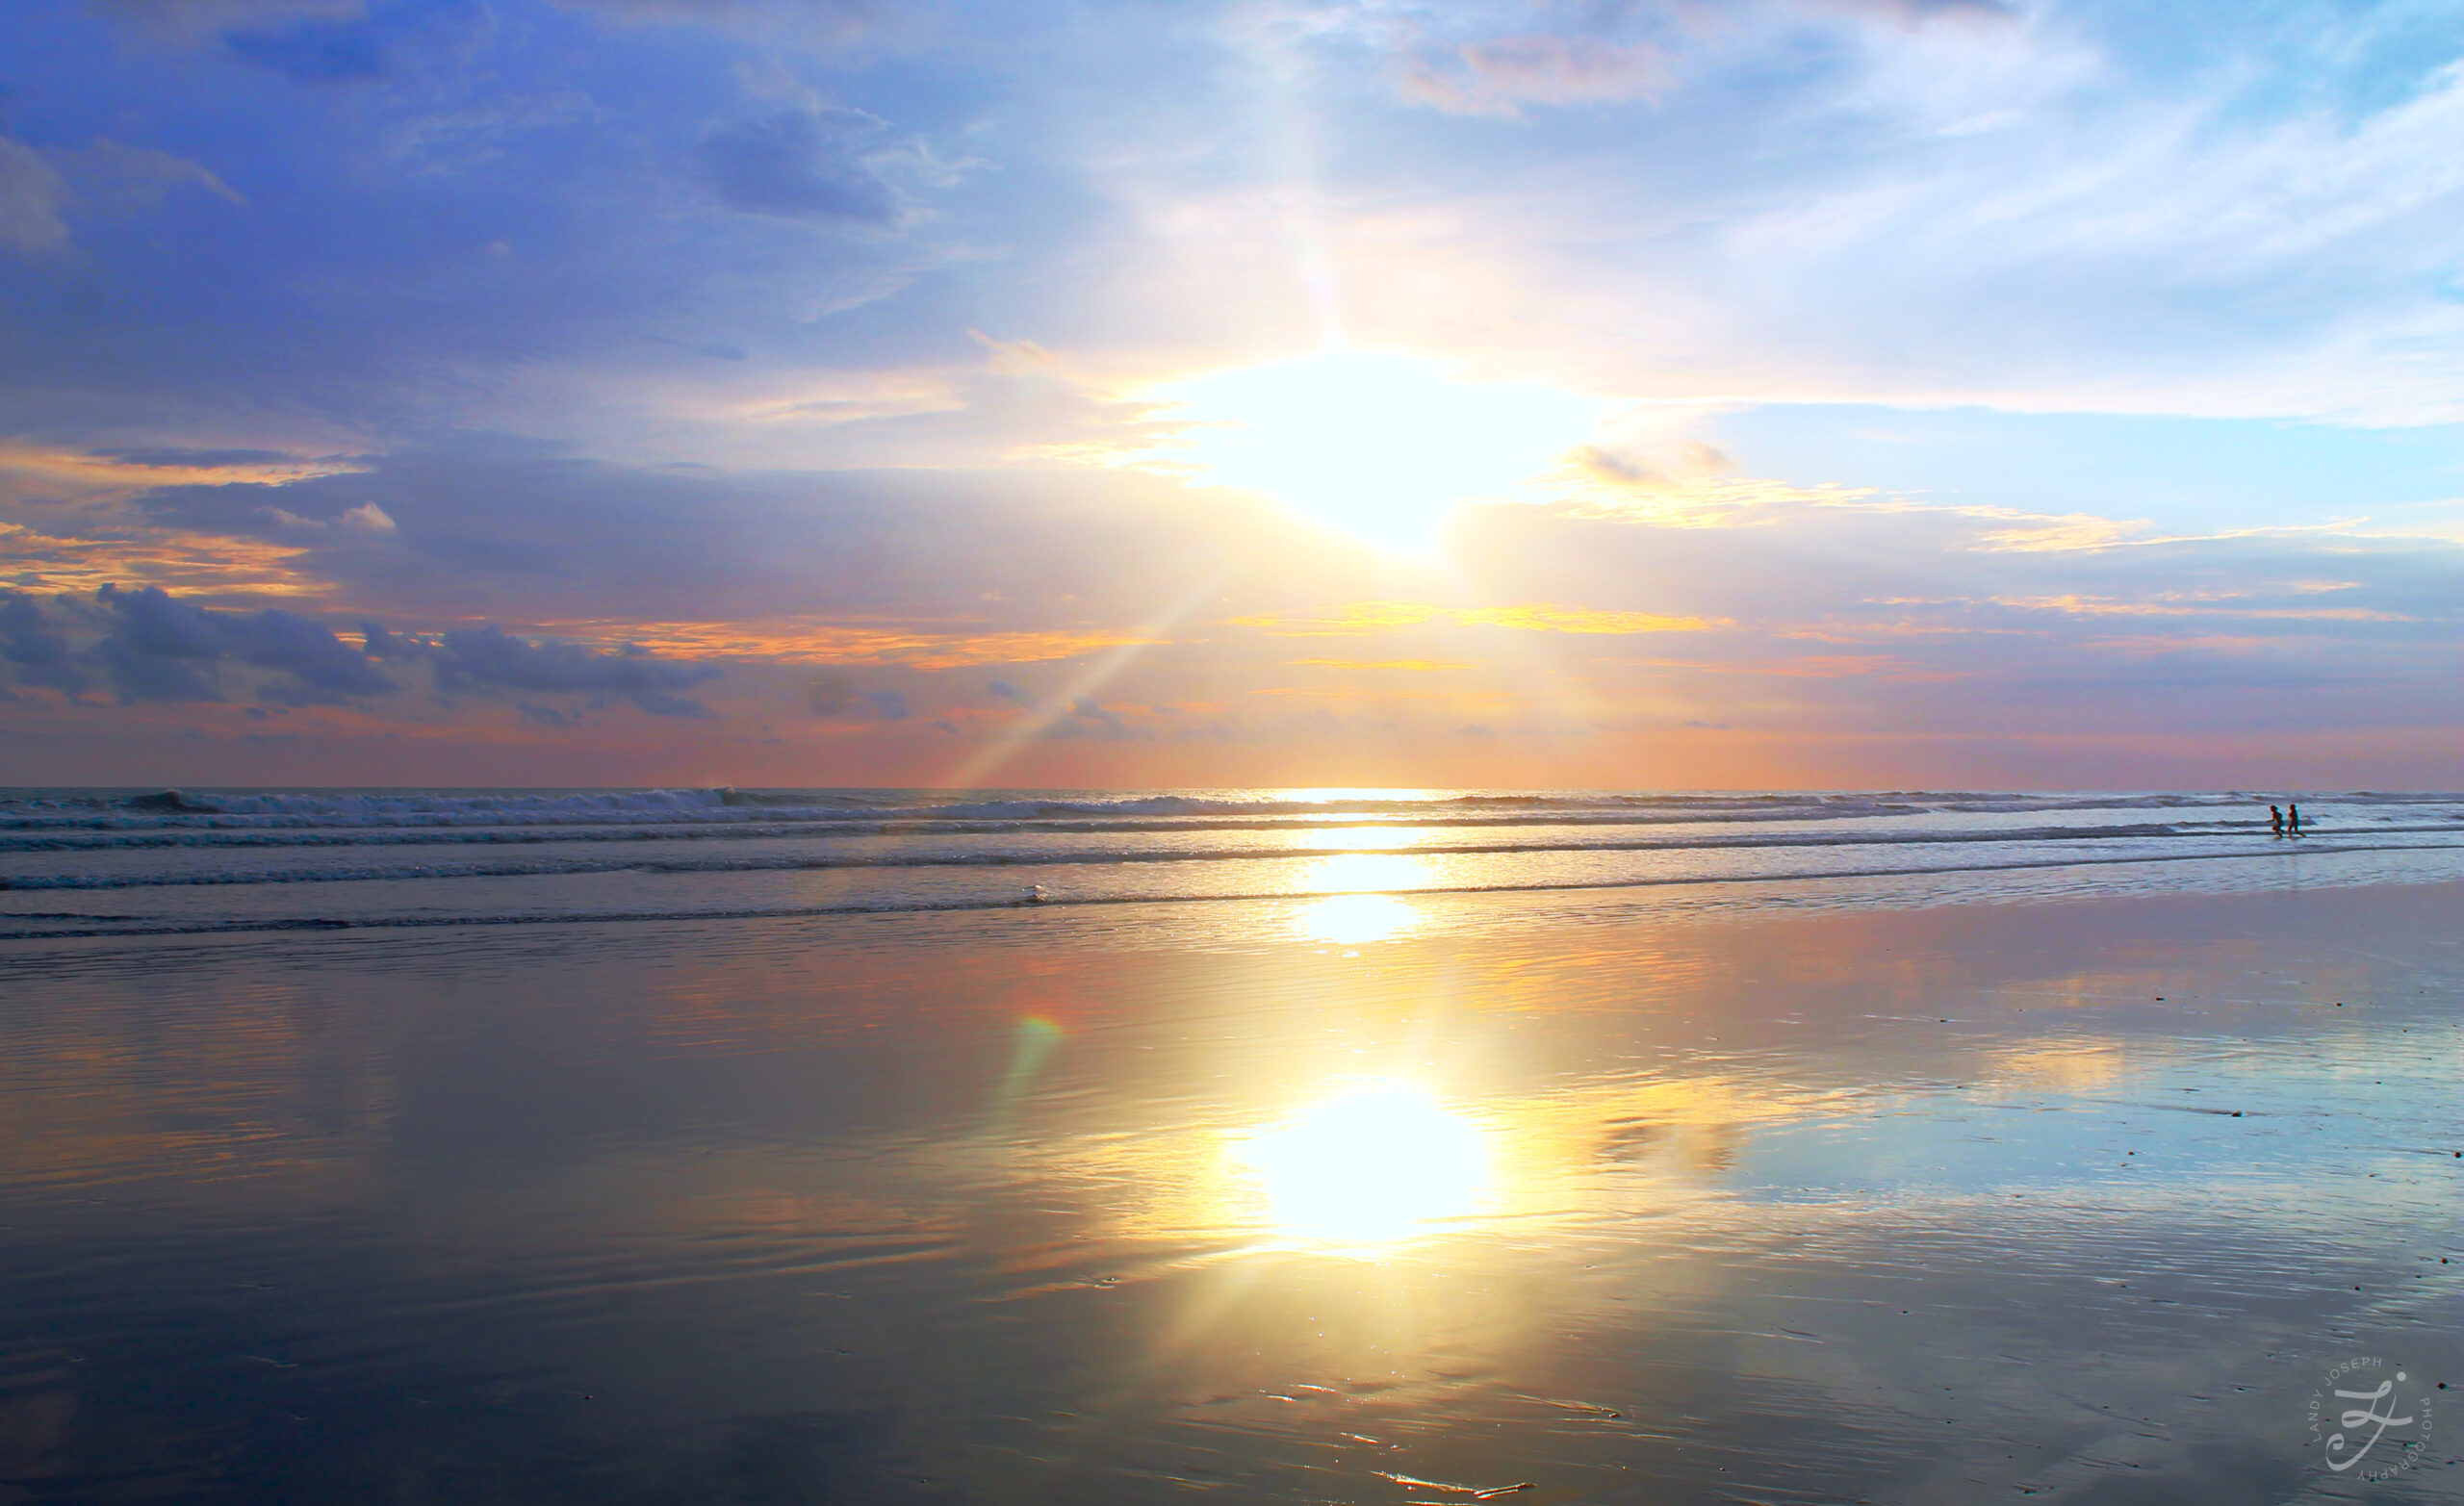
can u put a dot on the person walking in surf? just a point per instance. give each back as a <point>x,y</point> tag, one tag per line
<point>2275,820</point>
<point>2292,818</point>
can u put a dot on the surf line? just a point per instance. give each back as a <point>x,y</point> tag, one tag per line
<point>1052,902</point>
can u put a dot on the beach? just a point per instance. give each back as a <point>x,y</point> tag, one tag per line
<point>2071,1173</point>
<point>1323,753</point>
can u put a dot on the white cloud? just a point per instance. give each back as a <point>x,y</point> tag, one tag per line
<point>30,198</point>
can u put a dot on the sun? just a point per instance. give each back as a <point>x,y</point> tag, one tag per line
<point>1381,446</point>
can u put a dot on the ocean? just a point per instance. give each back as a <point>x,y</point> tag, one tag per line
<point>179,861</point>
<point>1368,1148</point>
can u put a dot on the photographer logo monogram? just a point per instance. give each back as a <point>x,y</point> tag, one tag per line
<point>2369,1420</point>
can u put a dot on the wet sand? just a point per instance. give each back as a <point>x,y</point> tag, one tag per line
<point>2078,1200</point>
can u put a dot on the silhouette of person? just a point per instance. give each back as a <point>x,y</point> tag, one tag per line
<point>2275,821</point>
<point>2293,818</point>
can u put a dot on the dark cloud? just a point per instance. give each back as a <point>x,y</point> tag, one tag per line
<point>1003,690</point>
<point>383,645</point>
<point>314,52</point>
<point>158,644</point>
<point>800,164</point>
<point>41,654</point>
<point>890,705</point>
<point>828,695</point>
<point>138,675</point>
<point>152,645</point>
<point>172,455</point>
<point>490,658</point>
<point>818,22</point>
<point>1085,719</point>
<point>318,50</point>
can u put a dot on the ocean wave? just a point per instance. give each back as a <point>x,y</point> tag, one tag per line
<point>33,820</point>
<point>241,837</point>
<point>543,866</point>
<point>722,803</point>
<point>1038,901</point>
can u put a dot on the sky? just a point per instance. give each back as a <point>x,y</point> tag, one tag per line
<point>1533,393</point>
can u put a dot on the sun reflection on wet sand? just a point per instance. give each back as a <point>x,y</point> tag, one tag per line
<point>1354,910</point>
<point>1375,1166</point>
<point>1354,873</point>
<point>1344,838</point>
<point>1566,1203</point>
<point>1349,919</point>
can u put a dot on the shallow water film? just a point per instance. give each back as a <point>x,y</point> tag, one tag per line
<point>1362,1197</point>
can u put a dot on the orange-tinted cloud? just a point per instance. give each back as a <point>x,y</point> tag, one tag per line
<point>1418,665</point>
<point>174,561</point>
<point>1581,620</point>
<point>921,645</point>
<point>90,474</point>
<point>1371,617</point>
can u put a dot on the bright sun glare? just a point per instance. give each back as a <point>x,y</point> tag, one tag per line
<point>1348,920</point>
<point>1377,1165</point>
<point>1357,872</point>
<point>1381,446</point>
<point>1353,910</point>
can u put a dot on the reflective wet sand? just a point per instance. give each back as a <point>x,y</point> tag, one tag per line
<point>1400,1199</point>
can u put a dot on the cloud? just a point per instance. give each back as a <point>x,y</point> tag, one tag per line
<point>1693,461</point>
<point>365,519</point>
<point>462,140</point>
<point>1087,720</point>
<point>742,426</point>
<point>800,164</point>
<point>1499,75</point>
<point>1533,617</point>
<point>1373,616</point>
<point>41,656</point>
<point>157,647</point>
<point>828,695</point>
<point>132,178</point>
<point>915,566</point>
<point>152,645</point>
<point>357,49</point>
<point>193,20</point>
<point>821,24</point>
<point>490,658</point>
<point>315,52</point>
<point>31,194</point>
